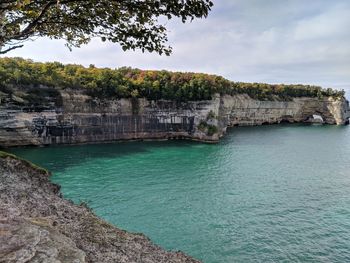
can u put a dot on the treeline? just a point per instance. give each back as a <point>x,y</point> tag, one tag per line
<point>127,82</point>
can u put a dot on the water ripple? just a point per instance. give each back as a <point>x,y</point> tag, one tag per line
<point>265,194</point>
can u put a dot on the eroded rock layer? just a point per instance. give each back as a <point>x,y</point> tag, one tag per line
<point>82,119</point>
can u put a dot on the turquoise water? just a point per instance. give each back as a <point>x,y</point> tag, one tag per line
<point>263,194</point>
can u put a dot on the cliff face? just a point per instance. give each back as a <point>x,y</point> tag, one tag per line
<point>37,225</point>
<point>81,118</point>
<point>241,110</point>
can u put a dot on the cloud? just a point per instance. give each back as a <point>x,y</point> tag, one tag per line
<point>330,24</point>
<point>259,41</point>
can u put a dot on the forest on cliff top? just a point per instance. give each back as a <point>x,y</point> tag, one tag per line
<point>133,83</point>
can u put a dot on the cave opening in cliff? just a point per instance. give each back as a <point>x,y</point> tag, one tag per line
<point>285,121</point>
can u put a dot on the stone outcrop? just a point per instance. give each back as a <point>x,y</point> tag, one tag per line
<point>82,119</point>
<point>241,110</point>
<point>37,225</point>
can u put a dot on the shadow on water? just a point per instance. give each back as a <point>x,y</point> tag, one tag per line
<point>75,155</point>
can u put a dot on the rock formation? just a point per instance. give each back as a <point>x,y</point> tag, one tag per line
<point>81,119</point>
<point>38,225</point>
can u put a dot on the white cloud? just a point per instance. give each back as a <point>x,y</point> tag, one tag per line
<point>330,24</point>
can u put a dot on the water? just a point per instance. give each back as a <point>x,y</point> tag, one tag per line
<point>263,194</point>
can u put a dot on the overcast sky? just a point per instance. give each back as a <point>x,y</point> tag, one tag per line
<point>274,41</point>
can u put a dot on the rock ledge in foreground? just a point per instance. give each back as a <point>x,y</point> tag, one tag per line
<point>38,225</point>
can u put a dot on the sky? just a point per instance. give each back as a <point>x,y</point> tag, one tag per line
<point>271,41</point>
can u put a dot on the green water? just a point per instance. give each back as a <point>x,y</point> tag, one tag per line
<point>263,194</point>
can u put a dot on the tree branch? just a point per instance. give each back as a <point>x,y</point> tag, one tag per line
<point>9,49</point>
<point>26,30</point>
<point>131,23</point>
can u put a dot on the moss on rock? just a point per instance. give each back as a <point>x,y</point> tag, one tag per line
<point>25,162</point>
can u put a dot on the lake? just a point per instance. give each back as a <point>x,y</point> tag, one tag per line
<point>263,194</point>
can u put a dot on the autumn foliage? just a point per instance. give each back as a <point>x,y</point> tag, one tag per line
<point>154,85</point>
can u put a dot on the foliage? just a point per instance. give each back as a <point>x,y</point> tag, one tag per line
<point>211,115</point>
<point>44,79</point>
<point>202,126</point>
<point>131,23</point>
<point>212,129</point>
<point>209,129</point>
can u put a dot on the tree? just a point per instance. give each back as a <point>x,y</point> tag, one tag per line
<point>131,23</point>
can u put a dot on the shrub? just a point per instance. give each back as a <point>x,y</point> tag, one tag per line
<point>212,129</point>
<point>207,128</point>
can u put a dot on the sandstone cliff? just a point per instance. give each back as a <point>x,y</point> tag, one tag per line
<point>79,118</point>
<point>37,225</point>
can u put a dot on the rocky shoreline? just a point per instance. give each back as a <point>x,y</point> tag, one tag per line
<point>38,225</point>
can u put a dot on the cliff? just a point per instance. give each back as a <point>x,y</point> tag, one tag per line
<point>37,225</point>
<point>80,118</point>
